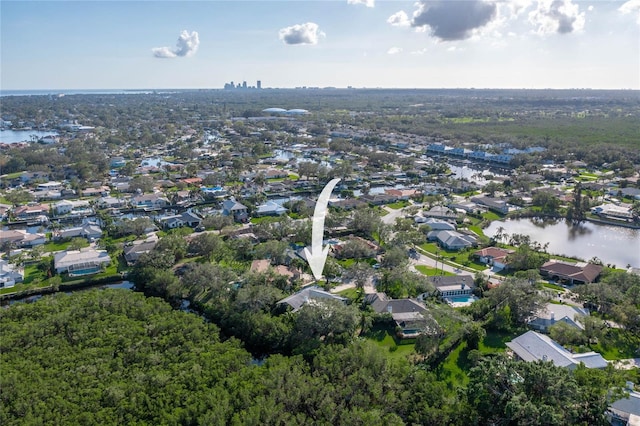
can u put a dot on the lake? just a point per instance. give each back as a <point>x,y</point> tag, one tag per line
<point>474,173</point>
<point>611,244</point>
<point>16,136</point>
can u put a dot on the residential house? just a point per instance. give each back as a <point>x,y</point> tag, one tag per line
<point>312,294</point>
<point>435,224</point>
<point>117,162</point>
<point>213,192</point>
<point>50,186</point>
<point>192,181</point>
<point>100,191</point>
<point>494,204</point>
<point>270,208</point>
<point>630,192</point>
<point>533,346</point>
<point>133,252</point>
<point>89,231</point>
<point>9,274</point>
<point>28,177</point>
<point>263,265</point>
<point>47,195</point>
<point>276,174</point>
<point>379,199</point>
<point>410,316</point>
<point>31,211</point>
<point>495,257</point>
<point>614,211</point>
<point>86,261</point>
<point>572,273</point>
<point>440,212</point>
<point>554,313</point>
<point>401,194</point>
<point>21,238</point>
<point>67,206</point>
<point>233,208</point>
<point>467,207</point>
<point>109,202</point>
<point>149,201</point>
<point>186,218</point>
<point>452,240</point>
<point>4,211</point>
<point>452,285</point>
<point>625,411</point>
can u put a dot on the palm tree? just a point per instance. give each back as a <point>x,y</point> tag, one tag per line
<point>500,234</point>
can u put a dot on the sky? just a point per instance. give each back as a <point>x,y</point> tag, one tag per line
<point>328,43</point>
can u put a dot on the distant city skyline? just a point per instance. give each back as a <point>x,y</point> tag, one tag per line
<point>531,44</point>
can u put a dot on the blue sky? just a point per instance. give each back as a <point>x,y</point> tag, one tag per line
<point>359,43</point>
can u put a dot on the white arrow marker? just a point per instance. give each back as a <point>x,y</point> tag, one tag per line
<point>317,256</point>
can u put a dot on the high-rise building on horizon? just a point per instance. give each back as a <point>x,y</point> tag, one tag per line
<point>242,86</point>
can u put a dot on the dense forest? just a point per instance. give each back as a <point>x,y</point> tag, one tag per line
<point>118,357</point>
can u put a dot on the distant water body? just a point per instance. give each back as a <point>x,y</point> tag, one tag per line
<point>16,136</point>
<point>80,92</point>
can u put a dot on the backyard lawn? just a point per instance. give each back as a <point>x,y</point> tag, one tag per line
<point>619,344</point>
<point>394,348</point>
<point>457,365</point>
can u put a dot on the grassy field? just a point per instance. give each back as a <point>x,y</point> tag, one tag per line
<point>461,257</point>
<point>398,205</point>
<point>553,286</point>
<point>352,294</point>
<point>428,271</point>
<point>394,348</point>
<point>491,216</point>
<point>264,219</point>
<point>622,344</point>
<point>456,366</point>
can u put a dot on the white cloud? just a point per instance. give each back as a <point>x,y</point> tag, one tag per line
<point>368,3</point>
<point>394,50</point>
<point>419,52</point>
<point>453,20</point>
<point>514,8</point>
<point>186,45</point>
<point>633,7</point>
<point>557,16</point>
<point>399,19</point>
<point>307,33</point>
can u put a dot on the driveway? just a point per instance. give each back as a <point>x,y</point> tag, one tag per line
<point>393,214</point>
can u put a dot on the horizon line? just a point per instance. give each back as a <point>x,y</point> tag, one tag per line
<point>255,89</point>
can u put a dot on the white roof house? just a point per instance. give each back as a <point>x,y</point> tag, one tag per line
<point>553,313</point>
<point>67,206</point>
<point>452,240</point>
<point>81,262</point>
<point>307,295</point>
<point>532,346</point>
<point>435,224</point>
<point>9,275</point>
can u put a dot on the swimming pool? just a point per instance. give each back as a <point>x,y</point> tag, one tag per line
<point>464,300</point>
